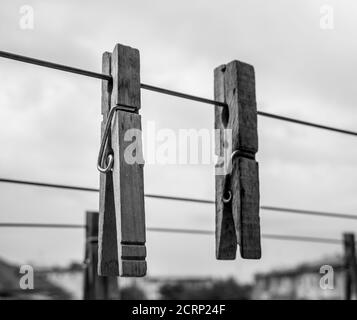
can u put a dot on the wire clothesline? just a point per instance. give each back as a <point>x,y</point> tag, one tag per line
<point>184,199</point>
<point>107,77</point>
<point>51,65</point>
<point>173,230</point>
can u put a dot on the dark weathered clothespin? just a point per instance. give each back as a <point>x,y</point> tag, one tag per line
<point>237,177</point>
<point>122,248</point>
<point>350,266</point>
<point>96,287</point>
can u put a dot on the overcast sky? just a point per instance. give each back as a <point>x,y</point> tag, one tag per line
<point>50,121</point>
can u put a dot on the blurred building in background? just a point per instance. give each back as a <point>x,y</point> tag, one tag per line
<point>300,283</point>
<point>68,283</point>
<point>43,288</point>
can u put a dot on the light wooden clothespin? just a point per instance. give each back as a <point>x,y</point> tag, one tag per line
<point>122,237</point>
<point>237,177</point>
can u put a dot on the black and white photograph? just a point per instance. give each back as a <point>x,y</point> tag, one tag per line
<point>196,151</point>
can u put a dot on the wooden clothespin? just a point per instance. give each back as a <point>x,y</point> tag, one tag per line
<point>237,177</point>
<point>350,266</point>
<point>122,237</point>
<point>96,287</point>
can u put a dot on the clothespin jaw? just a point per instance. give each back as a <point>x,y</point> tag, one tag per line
<point>122,250</point>
<point>237,173</point>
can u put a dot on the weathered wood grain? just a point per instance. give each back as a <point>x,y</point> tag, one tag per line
<point>95,286</point>
<point>125,70</point>
<point>129,199</point>
<point>246,179</point>
<point>107,237</point>
<point>123,250</point>
<point>226,238</point>
<point>238,220</point>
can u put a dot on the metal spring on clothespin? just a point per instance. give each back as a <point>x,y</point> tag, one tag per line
<point>227,190</point>
<point>104,143</point>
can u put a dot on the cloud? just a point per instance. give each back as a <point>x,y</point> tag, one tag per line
<point>50,120</point>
